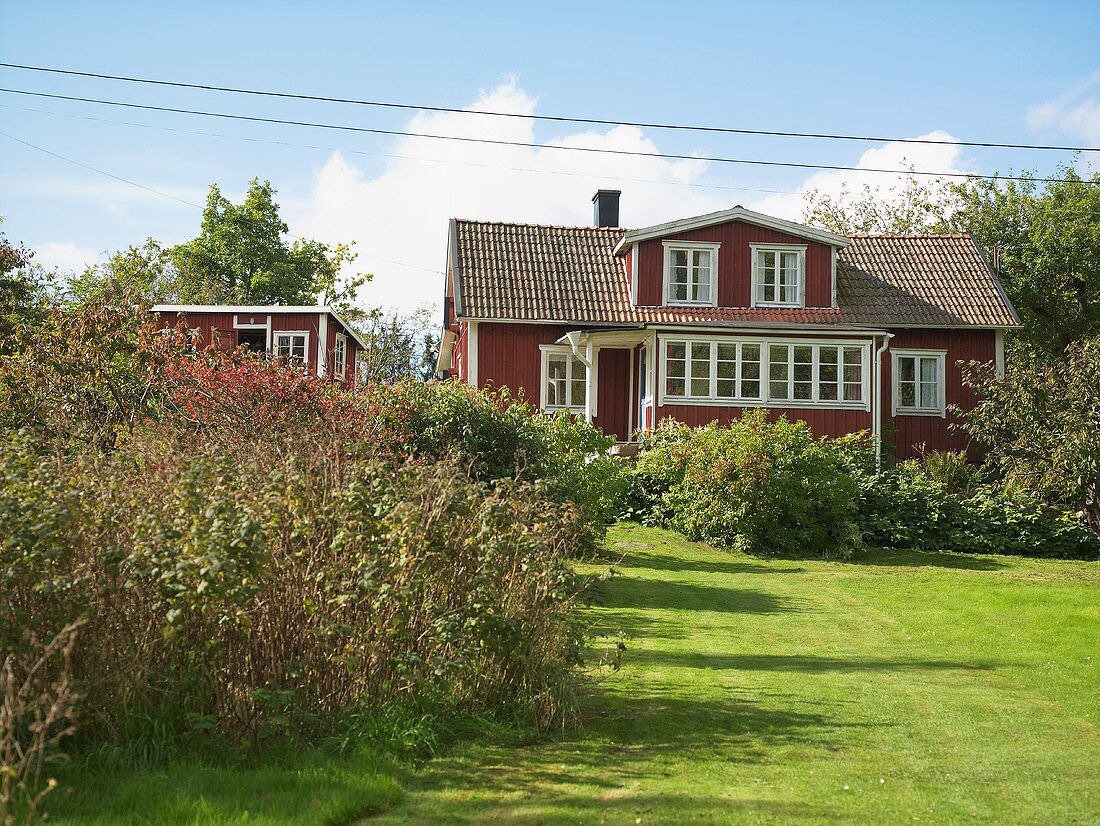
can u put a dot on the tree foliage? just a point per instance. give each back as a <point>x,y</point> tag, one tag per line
<point>1041,427</point>
<point>399,346</point>
<point>1044,240</point>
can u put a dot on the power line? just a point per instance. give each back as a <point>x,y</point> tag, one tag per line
<point>180,200</point>
<point>551,118</point>
<point>397,156</point>
<point>528,145</point>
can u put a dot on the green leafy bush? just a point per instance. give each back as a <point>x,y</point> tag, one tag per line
<point>764,486</point>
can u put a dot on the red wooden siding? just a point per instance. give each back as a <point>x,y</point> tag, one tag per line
<point>509,355</point>
<point>822,421</point>
<point>909,433</point>
<point>612,393</point>
<point>735,264</point>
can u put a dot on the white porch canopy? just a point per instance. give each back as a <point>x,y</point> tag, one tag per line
<point>586,346</point>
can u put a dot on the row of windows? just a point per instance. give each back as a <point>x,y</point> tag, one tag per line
<point>691,275</point>
<point>753,371</point>
<point>759,372</point>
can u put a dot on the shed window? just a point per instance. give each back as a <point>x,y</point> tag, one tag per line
<point>291,347</point>
<point>340,356</point>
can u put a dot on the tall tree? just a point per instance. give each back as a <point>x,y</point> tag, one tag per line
<point>241,257</point>
<point>24,290</point>
<point>1044,241</point>
<point>400,346</point>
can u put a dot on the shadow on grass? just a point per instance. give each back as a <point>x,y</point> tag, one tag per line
<point>798,663</point>
<point>631,592</point>
<point>704,566</point>
<point>624,749</point>
<point>919,559</point>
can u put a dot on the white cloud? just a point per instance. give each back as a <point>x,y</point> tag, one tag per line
<point>1075,113</point>
<point>938,158</point>
<point>64,256</point>
<point>402,214</point>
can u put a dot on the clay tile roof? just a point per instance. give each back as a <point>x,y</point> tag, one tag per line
<point>533,272</point>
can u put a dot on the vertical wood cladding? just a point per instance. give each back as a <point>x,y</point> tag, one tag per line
<point>509,355</point>
<point>613,393</point>
<point>822,421</point>
<point>909,434</point>
<point>735,263</point>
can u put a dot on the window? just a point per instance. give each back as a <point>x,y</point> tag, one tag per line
<point>292,347</point>
<point>691,274</point>
<point>721,370</point>
<point>564,380</point>
<point>340,356</point>
<point>778,275</point>
<point>918,382</point>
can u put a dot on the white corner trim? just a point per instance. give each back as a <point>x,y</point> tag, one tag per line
<point>666,272</point>
<point>941,383</point>
<point>999,353</point>
<point>754,277</point>
<point>471,354</point>
<point>634,276</point>
<point>832,276</point>
<point>322,346</point>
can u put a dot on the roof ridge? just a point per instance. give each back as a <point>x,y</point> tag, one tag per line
<point>539,226</point>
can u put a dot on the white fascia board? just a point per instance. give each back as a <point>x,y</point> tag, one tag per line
<point>734,214</point>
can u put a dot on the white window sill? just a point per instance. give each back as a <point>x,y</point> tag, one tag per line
<point>772,403</point>
<point>916,411</point>
<point>761,305</point>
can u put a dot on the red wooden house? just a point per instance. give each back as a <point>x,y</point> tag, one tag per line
<point>314,337</point>
<point>700,318</point>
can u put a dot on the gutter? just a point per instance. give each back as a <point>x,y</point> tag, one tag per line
<point>876,402</point>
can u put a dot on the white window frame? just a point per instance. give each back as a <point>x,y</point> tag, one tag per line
<point>765,400</point>
<point>340,348</point>
<point>897,408</point>
<point>691,247</point>
<point>278,334</point>
<point>549,350</point>
<point>756,284</point>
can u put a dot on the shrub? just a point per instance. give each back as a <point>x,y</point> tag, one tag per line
<point>764,486</point>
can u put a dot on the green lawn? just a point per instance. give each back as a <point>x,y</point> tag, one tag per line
<point>903,687</point>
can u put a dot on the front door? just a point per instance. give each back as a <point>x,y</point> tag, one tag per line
<point>645,392</point>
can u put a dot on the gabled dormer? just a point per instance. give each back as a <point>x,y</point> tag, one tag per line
<point>735,258</point>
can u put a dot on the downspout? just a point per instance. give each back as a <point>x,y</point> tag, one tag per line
<point>876,402</point>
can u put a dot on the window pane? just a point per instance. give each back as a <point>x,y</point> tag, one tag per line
<point>827,355</point>
<point>750,370</point>
<point>929,395</point>
<point>675,368</point>
<point>778,355</point>
<point>853,392</point>
<point>908,393</point>
<point>676,349</point>
<point>907,370</point>
<point>679,291</point>
<point>700,387</point>
<point>928,369</point>
<point>777,389</point>
<point>803,355</point>
<point>577,394</point>
<point>674,387</point>
<point>555,367</point>
<point>727,369</point>
<point>700,369</point>
<point>750,389</point>
<point>700,350</point>
<point>827,392</point>
<point>750,352</point>
<point>726,388</point>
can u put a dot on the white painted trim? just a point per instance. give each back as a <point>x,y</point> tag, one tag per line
<point>737,213</point>
<point>765,399</point>
<point>471,354</point>
<point>322,345</point>
<point>754,276</point>
<point>341,373</point>
<point>941,381</point>
<point>630,398</point>
<point>666,272</point>
<point>251,326</point>
<point>547,350</point>
<point>276,334</point>
<point>999,353</point>
<point>634,276</point>
<point>257,309</point>
<point>832,276</point>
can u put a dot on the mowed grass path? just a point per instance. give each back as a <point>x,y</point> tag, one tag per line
<point>904,687</point>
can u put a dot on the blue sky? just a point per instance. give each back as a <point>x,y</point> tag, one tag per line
<point>996,71</point>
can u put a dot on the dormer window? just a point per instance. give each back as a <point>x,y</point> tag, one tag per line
<point>778,275</point>
<point>691,274</point>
